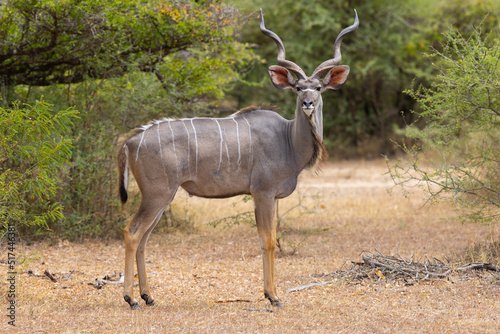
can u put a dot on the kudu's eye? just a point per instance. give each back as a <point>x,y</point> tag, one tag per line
<point>318,89</point>
<point>298,89</point>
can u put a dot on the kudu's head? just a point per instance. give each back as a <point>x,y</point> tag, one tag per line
<point>309,89</point>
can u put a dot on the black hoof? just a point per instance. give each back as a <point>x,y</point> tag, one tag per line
<point>274,302</point>
<point>133,306</point>
<point>149,301</point>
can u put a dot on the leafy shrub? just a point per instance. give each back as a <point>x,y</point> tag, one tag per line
<point>458,156</point>
<point>34,151</point>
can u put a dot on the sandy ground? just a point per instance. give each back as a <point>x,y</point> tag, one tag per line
<point>210,280</point>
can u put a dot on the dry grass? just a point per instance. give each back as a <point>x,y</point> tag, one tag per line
<point>211,280</point>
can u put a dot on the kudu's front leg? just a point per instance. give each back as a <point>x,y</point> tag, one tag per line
<point>264,216</point>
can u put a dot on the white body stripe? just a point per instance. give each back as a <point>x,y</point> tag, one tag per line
<point>191,120</point>
<point>239,145</point>
<point>138,148</point>
<point>251,143</point>
<point>125,173</point>
<point>159,140</point>
<point>189,148</point>
<point>196,142</point>
<point>221,140</point>
<point>227,153</point>
<point>173,145</point>
<point>161,152</point>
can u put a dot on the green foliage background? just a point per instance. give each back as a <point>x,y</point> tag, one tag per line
<point>458,156</point>
<point>124,63</point>
<point>33,151</point>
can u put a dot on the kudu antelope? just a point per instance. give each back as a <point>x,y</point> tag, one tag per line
<point>253,151</point>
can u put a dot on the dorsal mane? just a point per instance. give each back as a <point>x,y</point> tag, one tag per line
<point>145,127</point>
<point>264,106</point>
<point>150,124</point>
<point>246,110</point>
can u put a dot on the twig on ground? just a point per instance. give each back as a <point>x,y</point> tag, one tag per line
<point>258,310</point>
<point>50,276</point>
<point>307,286</point>
<point>233,301</point>
<point>108,279</point>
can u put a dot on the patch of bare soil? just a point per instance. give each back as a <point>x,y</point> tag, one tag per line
<point>211,280</point>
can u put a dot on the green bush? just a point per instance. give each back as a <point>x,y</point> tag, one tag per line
<point>457,157</point>
<point>34,153</point>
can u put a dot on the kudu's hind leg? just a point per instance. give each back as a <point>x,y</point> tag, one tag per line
<point>134,233</point>
<point>141,263</point>
<point>264,216</point>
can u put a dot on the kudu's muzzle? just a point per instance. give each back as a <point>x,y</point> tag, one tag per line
<point>308,107</point>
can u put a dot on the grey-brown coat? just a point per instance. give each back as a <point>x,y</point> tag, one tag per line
<point>254,151</point>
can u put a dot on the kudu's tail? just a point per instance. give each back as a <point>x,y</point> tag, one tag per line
<point>123,173</point>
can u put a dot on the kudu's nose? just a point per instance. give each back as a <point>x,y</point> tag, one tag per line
<point>307,104</point>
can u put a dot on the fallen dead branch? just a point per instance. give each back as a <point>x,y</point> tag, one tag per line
<point>479,266</point>
<point>376,267</point>
<point>54,277</point>
<point>98,283</point>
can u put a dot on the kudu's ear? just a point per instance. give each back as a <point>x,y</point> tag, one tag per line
<point>336,77</point>
<point>281,77</point>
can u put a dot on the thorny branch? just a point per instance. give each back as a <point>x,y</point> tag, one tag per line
<point>467,186</point>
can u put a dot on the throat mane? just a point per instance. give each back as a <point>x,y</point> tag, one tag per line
<point>319,153</point>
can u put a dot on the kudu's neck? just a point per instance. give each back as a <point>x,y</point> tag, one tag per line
<point>307,134</point>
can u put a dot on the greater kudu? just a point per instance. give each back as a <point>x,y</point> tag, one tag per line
<point>253,151</point>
